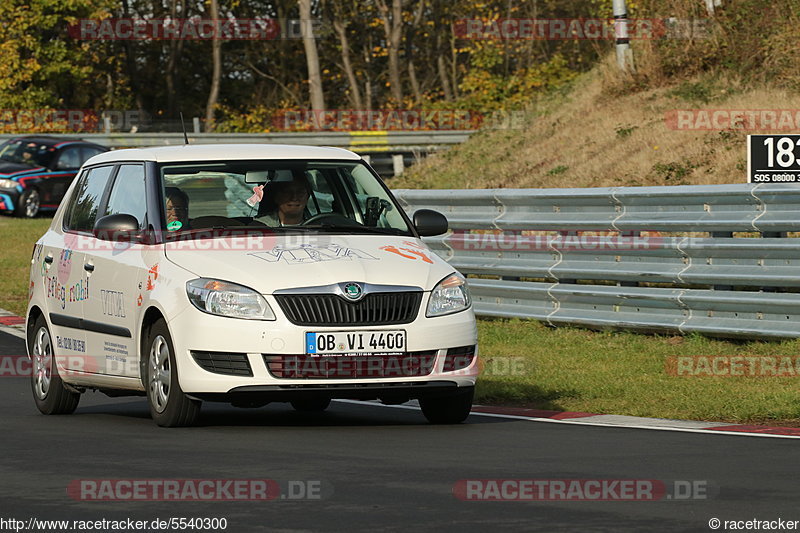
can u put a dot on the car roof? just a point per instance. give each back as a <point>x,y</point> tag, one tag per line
<point>223,152</point>
<point>53,141</point>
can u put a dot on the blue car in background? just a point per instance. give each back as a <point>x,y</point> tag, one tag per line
<point>35,172</point>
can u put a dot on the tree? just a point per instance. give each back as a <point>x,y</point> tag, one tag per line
<point>393,28</point>
<point>312,59</point>
<point>340,26</point>
<point>42,65</point>
<point>216,57</point>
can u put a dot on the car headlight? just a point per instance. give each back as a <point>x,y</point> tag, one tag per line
<point>228,299</point>
<point>450,295</point>
<point>8,184</point>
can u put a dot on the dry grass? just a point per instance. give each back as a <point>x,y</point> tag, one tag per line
<point>598,136</point>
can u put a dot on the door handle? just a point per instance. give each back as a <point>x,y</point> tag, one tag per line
<point>88,267</point>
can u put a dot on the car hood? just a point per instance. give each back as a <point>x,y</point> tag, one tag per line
<point>277,262</point>
<point>7,168</point>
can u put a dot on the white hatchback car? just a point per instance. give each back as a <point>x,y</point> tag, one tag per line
<point>245,274</point>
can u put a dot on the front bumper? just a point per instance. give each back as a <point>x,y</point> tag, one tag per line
<point>395,392</point>
<point>195,331</point>
<point>9,199</point>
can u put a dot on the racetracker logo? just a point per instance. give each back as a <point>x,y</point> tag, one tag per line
<point>761,366</point>
<point>388,120</point>
<point>567,241</point>
<point>22,366</point>
<point>197,490</point>
<point>48,120</point>
<point>126,29</point>
<point>580,29</point>
<point>521,490</point>
<point>733,119</point>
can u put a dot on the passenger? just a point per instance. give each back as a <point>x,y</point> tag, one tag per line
<point>177,208</point>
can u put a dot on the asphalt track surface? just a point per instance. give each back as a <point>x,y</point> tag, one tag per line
<point>381,468</point>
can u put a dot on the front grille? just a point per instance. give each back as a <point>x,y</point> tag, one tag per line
<point>412,364</point>
<point>231,364</point>
<point>375,309</point>
<point>458,358</point>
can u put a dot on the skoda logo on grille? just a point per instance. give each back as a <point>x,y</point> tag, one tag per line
<point>353,291</point>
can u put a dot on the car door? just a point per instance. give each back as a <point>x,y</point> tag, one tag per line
<point>116,268</point>
<point>67,285</point>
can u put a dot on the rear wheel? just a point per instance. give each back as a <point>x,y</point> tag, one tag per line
<point>49,392</point>
<point>451,409</point>
<point>29,204</point>
<point>169,406</point>
<point>311,403</point>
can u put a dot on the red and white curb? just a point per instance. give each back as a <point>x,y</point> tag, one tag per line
<point>590,419</point>
<point>12,324</point>
<point>15,325</point>
<point>621,421</point>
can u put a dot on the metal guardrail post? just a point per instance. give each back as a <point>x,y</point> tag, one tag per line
<point>397,164</point>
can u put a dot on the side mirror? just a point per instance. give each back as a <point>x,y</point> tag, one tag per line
<point>429,223</point>
<point>117,228</point>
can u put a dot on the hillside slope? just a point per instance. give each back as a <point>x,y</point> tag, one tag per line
<point>587,137</point>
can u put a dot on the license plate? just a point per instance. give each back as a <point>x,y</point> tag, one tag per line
<point>355,342</point>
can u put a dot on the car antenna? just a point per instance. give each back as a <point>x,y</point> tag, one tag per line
<point>183,125</point>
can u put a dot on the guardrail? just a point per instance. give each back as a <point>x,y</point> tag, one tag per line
<point>708,259</point>
<point>358,141</point>
<point>389,152</point>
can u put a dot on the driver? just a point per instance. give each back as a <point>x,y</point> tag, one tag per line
<point>286,203</point>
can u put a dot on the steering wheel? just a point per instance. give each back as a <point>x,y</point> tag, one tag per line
<point>331,217</point>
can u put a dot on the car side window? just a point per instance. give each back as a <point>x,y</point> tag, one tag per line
<point>69,159</point>
<point>128,193</point>
<point>85,201</point>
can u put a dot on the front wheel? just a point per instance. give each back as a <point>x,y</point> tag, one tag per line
<point>29,204</point>
<point>451,409</point>
<point>49,392</point>
<point>169,406</point>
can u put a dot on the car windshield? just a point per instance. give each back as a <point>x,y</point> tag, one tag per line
<point>291,195</point>
<point>26,152</point>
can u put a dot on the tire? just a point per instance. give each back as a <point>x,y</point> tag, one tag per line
<point>49,392</point>
<point>169,406</point>
<point>29,204</point>
<point>311,404</point>
<point>451,409</point>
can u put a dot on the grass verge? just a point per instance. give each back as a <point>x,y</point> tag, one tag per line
<point>571,369</point>
<point>17,237</point>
